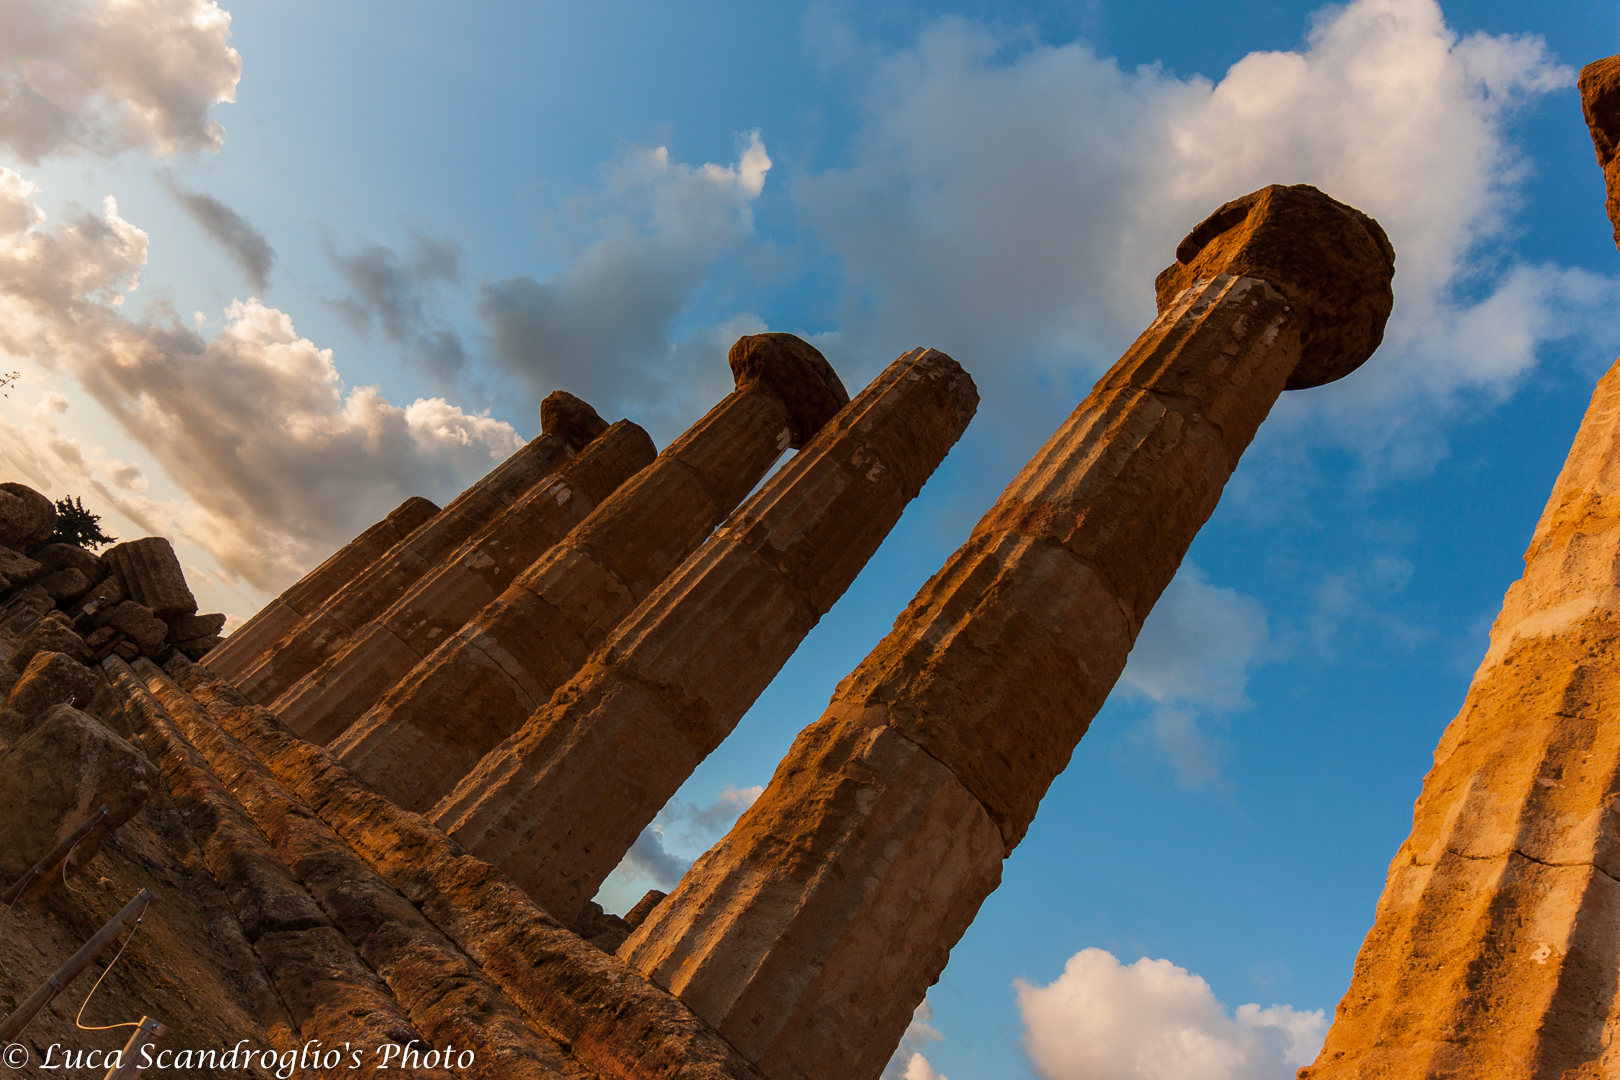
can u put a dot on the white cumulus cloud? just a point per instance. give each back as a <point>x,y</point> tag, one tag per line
<point>1152,1020</point>
<point>1012,203</point>
<point>103,76</point>
<point>279,461</point>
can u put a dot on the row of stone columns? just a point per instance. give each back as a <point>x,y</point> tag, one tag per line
<point>810,933</point>
<point>560,803</point>
<point>327,699</point>
<point>280,616</point>
<point>480,685</point>
<point>568,425</point>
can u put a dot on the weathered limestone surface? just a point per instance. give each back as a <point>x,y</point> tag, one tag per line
<point>61,772</point>
<point>151,576</point>
<point>613,1021</point>
<point>442,993</point>
<point>306,595</point>
<point>52,678</point>
<point>26,516</point>
<point>809,934</point>
<point>331,697</point>
<point>329,992</point>
<point>1600,99</point>
<point>569,425</point>
<point>679,673</point>
<point>1496,948</point>
<point>479,687</point>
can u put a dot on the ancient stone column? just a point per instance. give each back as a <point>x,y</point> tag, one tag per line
<point>478,687</point>
<point>557,805</point>
<point>277,618</point>
<point>328,699</point>
<point>1496,947</point>
<point>809,934</point>
<point>567,424</point>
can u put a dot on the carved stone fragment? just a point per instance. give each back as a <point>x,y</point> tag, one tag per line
<point>151,576</point>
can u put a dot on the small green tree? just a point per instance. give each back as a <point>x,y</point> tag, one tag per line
<point>77,526</point>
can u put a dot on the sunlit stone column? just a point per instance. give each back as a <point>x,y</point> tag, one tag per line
<point>479,687</point>
<point>809,934</point>
<point>327,700</point>
<point>1496,947</point>
<point>278,618</point>
<point>557,805</point>
<point>567,426</point>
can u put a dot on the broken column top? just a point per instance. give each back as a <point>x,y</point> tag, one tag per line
<point>1600,100</point>
<point>570,419</point>
<point>1330,261</point>
<point>797,373</point>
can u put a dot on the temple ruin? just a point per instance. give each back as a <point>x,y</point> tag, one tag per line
<point>377,813</point>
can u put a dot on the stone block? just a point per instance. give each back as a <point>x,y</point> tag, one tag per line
<point>17,568</point>
<point>26,516</point>
<point>148,633</point>
<point>54,557</point>
<point>103,596</point>
<point>53,678</point>
<point>151,575</point>
<point>49,635</point>
<point>65,586</point>
<point>99,637</point>
<point>188,627</point>
<point>65,768</point>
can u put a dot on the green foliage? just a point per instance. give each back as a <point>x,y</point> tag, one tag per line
<point>77,526</point>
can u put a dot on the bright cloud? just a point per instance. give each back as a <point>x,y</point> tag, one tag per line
<point>1021,208</point>
<point>279,462</point>
<point>1194,654</point>
<point>602,327</point>
<point>908,1062</point>
<point>1152,1020</point>
<point>105,76</point>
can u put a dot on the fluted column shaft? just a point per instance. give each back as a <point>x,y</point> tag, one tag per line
<point>323,632</point>
<point>1496,947</point>
<point>328,699</point>
<point>558,805</point>
<point>478,688</point>
<point>277,618</point>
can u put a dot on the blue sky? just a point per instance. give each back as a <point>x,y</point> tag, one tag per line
<point>470,207</point>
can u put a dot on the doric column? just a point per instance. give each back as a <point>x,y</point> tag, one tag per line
<point>477,688</point>
<point>328,699</point>
<point>567,424</point>
<point>673,680</point>
<point>809,934</point>
<point>277,618</point>
<point>1495,951</point>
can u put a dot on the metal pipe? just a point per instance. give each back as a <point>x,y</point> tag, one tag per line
<point>24,1013</point>
<point>148,1033</point>
<point>52,858</point>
